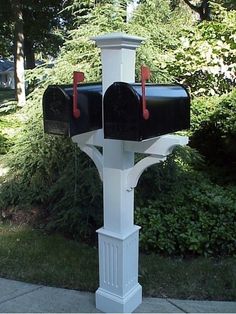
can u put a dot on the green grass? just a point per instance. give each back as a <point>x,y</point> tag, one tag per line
<point>33,256</point>
<point>196,278</point>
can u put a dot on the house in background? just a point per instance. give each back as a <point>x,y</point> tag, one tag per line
<point>7,74</point>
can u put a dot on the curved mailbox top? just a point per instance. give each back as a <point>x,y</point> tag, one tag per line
<point>168,106</point>
<point>160,90</point>
<point>58,109</point>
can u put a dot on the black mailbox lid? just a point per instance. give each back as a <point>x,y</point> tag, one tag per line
<point>58,109</point>
<point>168,105</point>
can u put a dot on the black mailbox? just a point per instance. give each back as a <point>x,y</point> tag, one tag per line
<point>58,112</point>
<point>168,108</point>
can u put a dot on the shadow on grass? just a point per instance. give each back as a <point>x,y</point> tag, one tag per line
<point>33,256</point>
<point>196,278</point>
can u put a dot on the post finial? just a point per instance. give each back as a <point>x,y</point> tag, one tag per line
<point>118,40</point>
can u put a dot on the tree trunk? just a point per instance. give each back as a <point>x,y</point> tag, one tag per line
<point>29,54</point>
<point>19,53</point>
<point>203,9</point>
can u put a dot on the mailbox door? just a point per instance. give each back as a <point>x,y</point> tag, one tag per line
<point>121,112</point>
<point>58,109</point>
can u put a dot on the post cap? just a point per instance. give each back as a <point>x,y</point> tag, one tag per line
<point>117,40</point>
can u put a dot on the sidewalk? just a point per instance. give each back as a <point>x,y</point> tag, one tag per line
<point>20,297</point>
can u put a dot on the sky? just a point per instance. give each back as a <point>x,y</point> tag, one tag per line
<point>130,8</point>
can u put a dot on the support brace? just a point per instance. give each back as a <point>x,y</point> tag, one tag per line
<point>138,169</point>
<point>162,145</point>
<point>95,138</point>
<point>96,157</point>
<point>158,148</point>
<point>87,142</point>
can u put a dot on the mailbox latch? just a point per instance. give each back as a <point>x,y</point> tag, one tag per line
<point>145,75</point>
<point>77,77</point>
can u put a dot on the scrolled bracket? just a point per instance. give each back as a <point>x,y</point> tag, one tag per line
<point>136,172</point>
<point>96,157</point>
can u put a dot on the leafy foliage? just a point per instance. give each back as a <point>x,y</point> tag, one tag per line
<point>190,214</point>
<point>161,27</point>
<point>50,170</point>
<point>214,128</point>
<point>182,212</point>
<point>4,144</point>
<point>7,124</point>
<point>206,57</point>
<point>41,35</point>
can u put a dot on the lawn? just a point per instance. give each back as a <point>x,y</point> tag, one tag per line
<point>34,256</point>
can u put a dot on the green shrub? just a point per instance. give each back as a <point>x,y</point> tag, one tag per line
<point>4,144</point>
<point>180,210</point>
<point>184,213</point>
<point>46,169</point>
<point>214,129</point>
<point>75,206</point>
<point>60,180</point>
<point>6,127</point>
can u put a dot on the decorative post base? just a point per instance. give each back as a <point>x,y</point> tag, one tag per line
<point>119,289</point>
<point>111,303</point>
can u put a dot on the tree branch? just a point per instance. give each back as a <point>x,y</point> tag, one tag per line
<point>203,9</point>
<point>193,7</point>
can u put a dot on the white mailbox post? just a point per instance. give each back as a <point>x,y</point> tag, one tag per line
<point>119,290</point>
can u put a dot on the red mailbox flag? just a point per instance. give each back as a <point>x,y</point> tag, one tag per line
<point>145,75</point>
<point>77,77</point>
